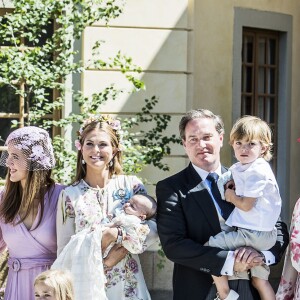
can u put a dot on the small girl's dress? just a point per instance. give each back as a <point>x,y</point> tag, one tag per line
<point>289,286</point>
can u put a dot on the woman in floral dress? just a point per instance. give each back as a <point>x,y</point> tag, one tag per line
<point>99,190</point>
<point>289,286</point>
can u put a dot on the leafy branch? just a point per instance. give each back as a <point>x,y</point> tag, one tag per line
<point>38,55</point>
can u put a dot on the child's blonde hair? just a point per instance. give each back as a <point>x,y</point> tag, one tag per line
<point>253,128</point>
<point>60,281</point>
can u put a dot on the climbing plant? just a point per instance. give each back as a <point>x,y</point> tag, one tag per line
<point>37,56</point>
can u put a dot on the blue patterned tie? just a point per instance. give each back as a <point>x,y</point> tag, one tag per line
<point>225,207</point>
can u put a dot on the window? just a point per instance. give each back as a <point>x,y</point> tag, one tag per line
<point>259,88</point>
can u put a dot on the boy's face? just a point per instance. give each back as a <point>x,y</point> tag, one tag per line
<point>135,206</point>
<point>44,292</point>
<point>247,151</point>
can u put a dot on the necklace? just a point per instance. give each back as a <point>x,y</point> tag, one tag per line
<point>99,195</point>
<point>101,201</point>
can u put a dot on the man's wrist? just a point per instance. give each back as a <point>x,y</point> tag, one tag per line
<point>263,257</point>
<point>270,258</point>
<point>228,265</point>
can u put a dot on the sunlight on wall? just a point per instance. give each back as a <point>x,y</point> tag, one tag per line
<point>156,39</point>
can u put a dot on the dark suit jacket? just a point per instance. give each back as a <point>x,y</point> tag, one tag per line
<point>186,218</point>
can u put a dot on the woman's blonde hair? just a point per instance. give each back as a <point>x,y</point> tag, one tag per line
<point>253,128</point>
<point>60,281</point>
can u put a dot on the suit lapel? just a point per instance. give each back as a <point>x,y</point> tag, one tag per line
<point>198,193</point>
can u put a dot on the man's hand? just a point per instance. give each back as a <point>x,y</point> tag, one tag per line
<point>240,267</point>
<point>116,254</point>
<point>249,256</point>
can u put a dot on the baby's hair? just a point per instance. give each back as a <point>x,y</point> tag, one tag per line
<point>253,128</point>
<point>60,281</point>
<point>150,213</point>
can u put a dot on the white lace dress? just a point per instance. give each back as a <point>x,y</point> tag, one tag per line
<point>82,207</point>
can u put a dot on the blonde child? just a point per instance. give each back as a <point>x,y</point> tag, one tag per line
<point>54,285</point>
<point>257,202</point>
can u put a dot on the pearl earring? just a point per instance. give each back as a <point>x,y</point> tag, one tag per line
<point>83,162</point>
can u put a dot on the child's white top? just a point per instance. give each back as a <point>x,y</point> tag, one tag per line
<point>256,180</point>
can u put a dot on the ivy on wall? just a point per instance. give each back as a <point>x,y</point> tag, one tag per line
<point>37,58</point>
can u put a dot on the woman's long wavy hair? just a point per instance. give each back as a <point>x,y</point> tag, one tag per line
<point>115,168</point>
<point>18,201</point>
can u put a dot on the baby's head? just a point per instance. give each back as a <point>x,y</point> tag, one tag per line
<point>251,128</point>
<point>142,206</point>
<point>54,285</point>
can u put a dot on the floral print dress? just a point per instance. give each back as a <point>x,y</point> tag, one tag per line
<point>289,286</point>
<point>81,207</point>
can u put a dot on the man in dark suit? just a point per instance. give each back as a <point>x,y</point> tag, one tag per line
<point>188,214</point>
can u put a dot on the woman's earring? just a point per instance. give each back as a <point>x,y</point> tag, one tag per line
<point>110,164</point>
<point>83,162</point>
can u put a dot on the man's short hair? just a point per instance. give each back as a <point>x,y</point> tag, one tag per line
<point>200,114</point>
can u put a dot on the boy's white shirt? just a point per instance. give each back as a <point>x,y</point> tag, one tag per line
<point>229,262</point>
<point>256,180</point>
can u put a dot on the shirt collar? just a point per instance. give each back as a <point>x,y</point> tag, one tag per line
<point>203,174</point>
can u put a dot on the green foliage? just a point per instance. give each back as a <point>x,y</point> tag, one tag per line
<point>162,259</point>
<point>141,147</point>
<point>40,56</point>
<point>65,161</point>
<point>149,146</point>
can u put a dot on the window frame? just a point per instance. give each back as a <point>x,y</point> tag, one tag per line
<point>252,90</point>
<point>283,23</point>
